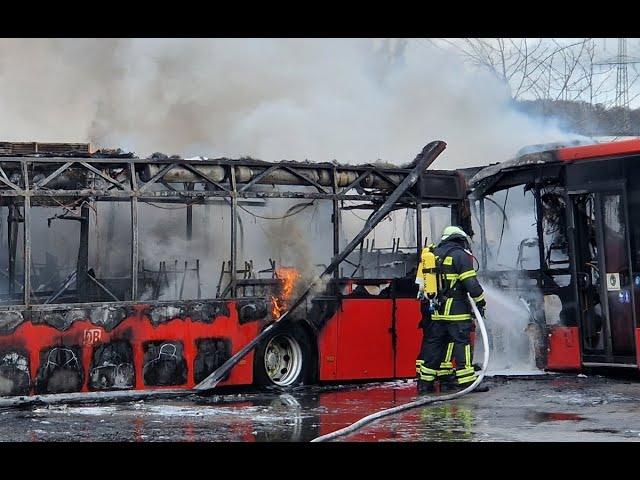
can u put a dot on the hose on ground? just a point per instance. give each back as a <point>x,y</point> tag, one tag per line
<point>423,401</point>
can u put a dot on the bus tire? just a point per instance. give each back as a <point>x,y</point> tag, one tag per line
<point>285,359</point>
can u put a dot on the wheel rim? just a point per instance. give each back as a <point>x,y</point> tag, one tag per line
<point>283,360</point>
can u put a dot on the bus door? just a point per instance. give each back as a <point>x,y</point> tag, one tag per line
<point>603,278</point>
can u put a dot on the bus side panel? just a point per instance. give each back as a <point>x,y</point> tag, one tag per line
<point>328,350</point>
<point>564,349</point>
<point>409,336</point>
<point>189,332</point>
<point>33,340</point>
<point>364,339</point>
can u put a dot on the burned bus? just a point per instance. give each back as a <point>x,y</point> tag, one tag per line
<point>127,273</point>
<point>560,230</point>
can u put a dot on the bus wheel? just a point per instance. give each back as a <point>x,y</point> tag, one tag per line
<point>284,359</point>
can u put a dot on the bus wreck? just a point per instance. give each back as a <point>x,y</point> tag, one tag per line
<point>572,215</point>
<point>127,273</point>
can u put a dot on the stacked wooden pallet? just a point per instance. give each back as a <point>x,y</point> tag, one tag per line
<point>30,148</point>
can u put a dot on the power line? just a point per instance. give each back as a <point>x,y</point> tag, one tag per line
<point>621,62</point>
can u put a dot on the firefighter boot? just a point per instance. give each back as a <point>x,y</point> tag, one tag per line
<point>425,386</point>
<point>481,389</point>
<point>448,383</point>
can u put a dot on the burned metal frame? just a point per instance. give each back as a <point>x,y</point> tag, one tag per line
<point>538,274</point>
<point>120,179</point>
<point>533,177</point>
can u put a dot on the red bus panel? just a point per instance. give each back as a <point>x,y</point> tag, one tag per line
<point>564,349</point>
<point>328,350</point>
<point>409,336</point>
<point>137,329</point>
<point>364,339</point>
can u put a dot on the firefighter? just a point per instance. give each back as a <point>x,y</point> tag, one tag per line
<point>450,313</point>
<point>445,372</point>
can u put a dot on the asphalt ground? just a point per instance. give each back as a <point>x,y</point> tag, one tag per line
<point>536,409</point>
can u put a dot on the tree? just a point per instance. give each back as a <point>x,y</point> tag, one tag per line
<point>542,69</point>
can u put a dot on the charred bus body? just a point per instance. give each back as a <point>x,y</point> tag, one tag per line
<point>575,258</point>
<point>98,293</point>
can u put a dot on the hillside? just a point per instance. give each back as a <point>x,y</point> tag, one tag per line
<point>584,118</point>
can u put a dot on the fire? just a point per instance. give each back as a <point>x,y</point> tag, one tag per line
<point>288,277</point>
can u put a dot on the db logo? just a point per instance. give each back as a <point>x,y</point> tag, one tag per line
<point>91,336</point>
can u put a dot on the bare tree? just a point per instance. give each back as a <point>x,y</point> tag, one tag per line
<point>541,69</point>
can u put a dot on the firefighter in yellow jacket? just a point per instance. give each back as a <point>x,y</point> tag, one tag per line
<point>444,277</point>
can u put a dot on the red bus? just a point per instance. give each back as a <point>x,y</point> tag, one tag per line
<point>560,228</point>
<point>127,273</point>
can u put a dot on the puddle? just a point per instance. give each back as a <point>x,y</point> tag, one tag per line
<point>303,415</point>
<point>579,398</point>
<point>540,417</point>
<point>94,410</point>
<point>507,372</point>
<point>600,430</point>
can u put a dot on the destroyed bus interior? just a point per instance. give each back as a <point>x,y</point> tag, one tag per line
<point>560,230</point>
<point>121,272</point>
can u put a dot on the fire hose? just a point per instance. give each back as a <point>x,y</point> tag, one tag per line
<point>425,400</point>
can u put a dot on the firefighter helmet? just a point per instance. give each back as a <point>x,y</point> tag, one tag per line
<point>453,231</point>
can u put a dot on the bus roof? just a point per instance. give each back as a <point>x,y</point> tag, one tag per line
<point>625,147</point>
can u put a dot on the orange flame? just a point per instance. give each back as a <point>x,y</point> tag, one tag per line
<point>288,277</point>
<point>276,310</point>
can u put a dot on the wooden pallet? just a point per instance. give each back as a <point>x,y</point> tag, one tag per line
<point>29,148</point>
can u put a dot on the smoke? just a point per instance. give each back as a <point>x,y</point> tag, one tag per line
<point>317,99</point>
<point>510,227</point>
<point>292,246</point>
<point>301,241</point>
<point>163,238</point>
<point>511,245</point>
<point>511,344</point>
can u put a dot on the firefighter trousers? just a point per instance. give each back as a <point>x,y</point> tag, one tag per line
<point>445,370</point>
<point>436,344</point>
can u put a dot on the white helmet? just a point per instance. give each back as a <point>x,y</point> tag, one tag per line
<point>452,231</point>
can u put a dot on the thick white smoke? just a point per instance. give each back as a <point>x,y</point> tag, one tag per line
<point>512,348</point>
<point>317,99</point>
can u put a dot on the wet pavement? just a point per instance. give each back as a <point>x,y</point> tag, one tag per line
<point>540,408</point>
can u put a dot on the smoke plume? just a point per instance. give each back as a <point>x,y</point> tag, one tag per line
<point>274,99</point>
<point>316,99</point>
